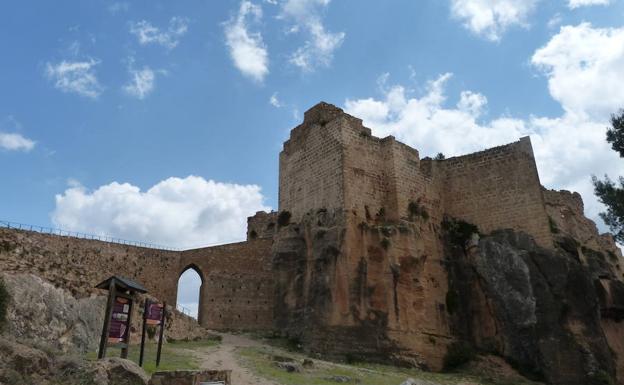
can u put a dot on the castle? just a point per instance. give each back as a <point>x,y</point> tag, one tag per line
<point>357,260</point>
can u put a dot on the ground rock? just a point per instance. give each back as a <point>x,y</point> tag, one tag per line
<point>291,367</point>
<point>117,371</point>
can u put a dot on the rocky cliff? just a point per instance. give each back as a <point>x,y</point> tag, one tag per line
<point>410,290</point>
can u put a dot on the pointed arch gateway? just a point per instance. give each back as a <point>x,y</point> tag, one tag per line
<point>190,287</point>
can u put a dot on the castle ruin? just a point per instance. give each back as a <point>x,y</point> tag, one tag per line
<point>358,262</point>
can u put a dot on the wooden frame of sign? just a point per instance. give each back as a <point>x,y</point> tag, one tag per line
<point>118,315</point>
<point>153,314</point>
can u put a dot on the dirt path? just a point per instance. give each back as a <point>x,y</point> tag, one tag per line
<point>223,357</point>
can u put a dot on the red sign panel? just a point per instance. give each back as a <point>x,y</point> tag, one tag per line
<point>119,321</point>
<point>154,314</point>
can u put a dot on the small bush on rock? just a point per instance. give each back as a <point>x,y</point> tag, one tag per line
<point>459,231</point>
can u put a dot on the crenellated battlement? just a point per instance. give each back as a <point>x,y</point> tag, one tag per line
<point>332,161</point>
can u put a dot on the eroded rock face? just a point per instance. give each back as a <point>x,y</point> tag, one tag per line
<point>357,289</point>
<point>541,304</point>
<point>41,312</point>
<point>22,363</point>
<point>44,313</point>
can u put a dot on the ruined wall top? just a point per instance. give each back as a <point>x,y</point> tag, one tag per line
<point>331,161</point>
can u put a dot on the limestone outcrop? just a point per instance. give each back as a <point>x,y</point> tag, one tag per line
<point>537,308</point>
<point>38,363</point>
<point>41,312</point>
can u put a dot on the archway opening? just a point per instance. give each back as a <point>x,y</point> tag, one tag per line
<point>189,291</point>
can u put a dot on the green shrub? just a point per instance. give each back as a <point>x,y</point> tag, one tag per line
<point>459,231</point>
<point>440,156</point>
<point>5,299</point>
<point>457,354</point>
<point>385,243</point>
<point>283,218</point>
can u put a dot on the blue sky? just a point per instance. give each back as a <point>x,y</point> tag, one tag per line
<point>162,121</point>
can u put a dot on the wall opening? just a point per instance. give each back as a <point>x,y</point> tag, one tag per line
<point>189,291</point>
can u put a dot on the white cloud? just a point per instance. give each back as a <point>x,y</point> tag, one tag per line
<point>583,3</point>
<point>146,33</point>
<point>183,212</point>
<point>247,49</point>
<point>568,149</point>
<point>78,77</point>
<point>275,102</point>
<point>491,18</point>
<point>585,66</point>
<point>118,6</point>
<point>319,49</point>
<point>142,82</point>
<point>15,142</point>
<point>189,284</point>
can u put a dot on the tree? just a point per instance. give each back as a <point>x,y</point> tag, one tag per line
<point>615,134</point>
<point>610,193</point>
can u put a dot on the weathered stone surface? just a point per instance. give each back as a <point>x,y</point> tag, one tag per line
<point>118,371</point>
<point>36,363</point>
<point>42,312</point>
<point>542,305</point>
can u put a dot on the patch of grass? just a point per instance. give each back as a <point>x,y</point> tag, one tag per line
<point>174,356</point>
<point>259,361</point>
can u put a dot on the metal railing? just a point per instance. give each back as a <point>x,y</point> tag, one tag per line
<point>76,234</point>
<point>185,310</point>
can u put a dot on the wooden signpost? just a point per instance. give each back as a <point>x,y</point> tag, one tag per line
<point>118,316</point>
<point>153,315</point>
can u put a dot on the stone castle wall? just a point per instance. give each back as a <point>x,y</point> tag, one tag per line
<point>237,285</point>
<point>310,167</point>
<point>236,291</point>
<point>332,161</point>
<point>496,189</point>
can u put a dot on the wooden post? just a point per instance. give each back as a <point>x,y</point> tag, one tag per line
<point>145,310</point>
<point>162,331</point>
<point>107,319</point>
<point>124,350</point>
